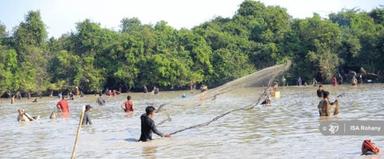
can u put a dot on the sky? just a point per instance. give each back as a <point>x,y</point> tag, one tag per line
<point>61,16</point>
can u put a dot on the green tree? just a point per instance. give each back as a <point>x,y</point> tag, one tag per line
<point>319,40</point>
<point>31,32</point>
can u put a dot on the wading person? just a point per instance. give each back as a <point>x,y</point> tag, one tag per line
<point>71,96</point>
<point>354,81</point>
<point>334,81</point>
<point>23,116</point>
<point>299,81</point>
<point>156,90</point>
<point>314,82</point>
<point>145,89</point>
<point>340,78</point>
<point>361,79</point>
<point>86,118</point>
<point>100,100</point>
<point>148,125</point>
<point>62,105</point>
<point>284,81</point>
<point>128,105</point>
<point>320,91</point>
<point>13,99</point>
<point>327,108</point>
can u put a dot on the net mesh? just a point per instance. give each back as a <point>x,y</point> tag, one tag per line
<point>257,79</point>
<point>261,78</point>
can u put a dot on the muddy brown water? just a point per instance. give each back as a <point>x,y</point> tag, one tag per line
<point>287,129</point>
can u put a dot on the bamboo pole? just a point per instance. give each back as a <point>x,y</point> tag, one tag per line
<point>73,156</point>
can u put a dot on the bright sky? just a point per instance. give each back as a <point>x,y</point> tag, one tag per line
<point>60,16</point>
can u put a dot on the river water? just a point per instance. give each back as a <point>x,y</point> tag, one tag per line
<point>287,129</point>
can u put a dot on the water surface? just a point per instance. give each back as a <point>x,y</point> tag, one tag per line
<point>287,129</point>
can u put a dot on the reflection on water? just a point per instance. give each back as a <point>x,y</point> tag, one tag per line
<point>287,129</point>
<point>149,152</point>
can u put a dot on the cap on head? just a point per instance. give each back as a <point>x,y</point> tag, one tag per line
<point>149,110</point>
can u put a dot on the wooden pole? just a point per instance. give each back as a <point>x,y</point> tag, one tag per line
<point>77,134</point>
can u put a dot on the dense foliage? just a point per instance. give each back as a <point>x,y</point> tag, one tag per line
<point>212,53</point>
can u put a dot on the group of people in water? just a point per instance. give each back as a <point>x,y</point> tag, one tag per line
<point>328,108</point>
<point>148,126</point>
<point>147,123</point>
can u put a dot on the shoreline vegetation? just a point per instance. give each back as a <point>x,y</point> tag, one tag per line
<point>344,44</point>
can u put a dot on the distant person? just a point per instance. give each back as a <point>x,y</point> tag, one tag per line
<point>13,99</point>
<point>77,91</point>
<point>148,125</point>
<point>361,79</point>
<point>320,91</point>
<point>128,105</point>
<point>100,100</point>
<point>340,78</point>
<point>109,92</point>
<point>18,95</point>
<point>327,108</point>
<point>86,119</point>
<point>23,116</point>
<point>369,148</point>
<point>145,89</point>
<point>156,90</point>
<point>314,82</point>
<point>71,96</point>
<point>203,88</point>
<point>62,105</point>
<point>284,81</point>
<point>299,81</point>
<point>60,95</point>
<point>354,81</point>
<point>334,81</point>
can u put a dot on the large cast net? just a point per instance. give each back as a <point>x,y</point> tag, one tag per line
<point>260,78</point>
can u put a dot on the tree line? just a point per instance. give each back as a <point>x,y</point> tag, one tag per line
<point>212,53</point>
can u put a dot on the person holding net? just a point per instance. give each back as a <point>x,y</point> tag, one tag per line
<point>327,108</point>
<point>148,125</point>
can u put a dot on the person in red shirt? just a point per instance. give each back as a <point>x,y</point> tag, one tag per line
<point>128,105</point>
<point>62,105</point>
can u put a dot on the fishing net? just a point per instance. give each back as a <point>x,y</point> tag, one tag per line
<point>257,79</point>
<point>263,77</point>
